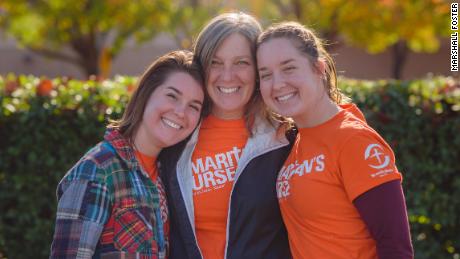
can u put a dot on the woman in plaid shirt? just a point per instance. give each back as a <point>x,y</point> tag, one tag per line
<point>112,204</point>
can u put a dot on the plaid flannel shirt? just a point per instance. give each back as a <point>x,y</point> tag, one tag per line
<point>108,207</point>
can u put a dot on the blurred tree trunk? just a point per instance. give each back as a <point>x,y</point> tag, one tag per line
<point>88,53</point>
<point>399,55</point>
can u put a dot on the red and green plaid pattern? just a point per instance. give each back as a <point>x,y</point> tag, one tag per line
<point>109,207</point>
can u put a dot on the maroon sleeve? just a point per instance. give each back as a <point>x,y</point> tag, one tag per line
<point>383,209</point>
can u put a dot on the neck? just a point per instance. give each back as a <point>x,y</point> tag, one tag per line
<point>145,145</point>
<point>227,115</point>
<point>323,111</point>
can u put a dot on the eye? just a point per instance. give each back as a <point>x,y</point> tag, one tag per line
<point>243,62</point>
<point>195,107</point>
<point>172,96</point>
<point>289,68</point>
<point>265,76</point>
<point>215,63</point>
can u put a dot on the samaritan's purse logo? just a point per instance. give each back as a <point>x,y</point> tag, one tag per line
<point>376,157</point>
<point>214,172</point>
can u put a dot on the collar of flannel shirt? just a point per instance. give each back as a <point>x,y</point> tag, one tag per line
<point>123,148</point>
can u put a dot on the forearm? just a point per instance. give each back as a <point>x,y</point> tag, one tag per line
<point>82,210</point>
<point>383,209</point>
<point>75,238</point>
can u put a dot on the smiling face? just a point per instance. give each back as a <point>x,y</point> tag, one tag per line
<point>231,77</point>
<point>289,83</point>
<point>171,113</point>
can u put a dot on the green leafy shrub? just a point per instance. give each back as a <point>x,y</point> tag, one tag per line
<point>420,119</point>
<point>43,133</point>
<point>46,125</point>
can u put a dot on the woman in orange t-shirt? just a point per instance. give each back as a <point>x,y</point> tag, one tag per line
<point>222,191</point>
<point>339,190</point>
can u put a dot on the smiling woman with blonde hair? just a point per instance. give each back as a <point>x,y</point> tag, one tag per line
<point>222,190</point>
<point>339,190</point>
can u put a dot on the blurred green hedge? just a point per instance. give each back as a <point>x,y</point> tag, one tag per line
<point>46,125</point>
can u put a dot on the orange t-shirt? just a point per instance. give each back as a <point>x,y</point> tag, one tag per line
<point>148,163</point>
<point>329,166</point>
<point>214,163</point>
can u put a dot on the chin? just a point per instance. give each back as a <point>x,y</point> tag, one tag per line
<point>226,105</point>
<point>166,141</point>
<point>286,113</point>
<point>172,142</point>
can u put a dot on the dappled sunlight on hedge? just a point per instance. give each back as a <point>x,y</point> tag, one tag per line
<point>47,124</point>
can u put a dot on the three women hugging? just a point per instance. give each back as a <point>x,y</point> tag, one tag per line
<point>244,149</point>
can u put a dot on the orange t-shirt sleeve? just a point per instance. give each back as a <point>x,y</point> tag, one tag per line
<point>366,161</point>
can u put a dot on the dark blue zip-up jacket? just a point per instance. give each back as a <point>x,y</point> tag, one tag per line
<point>255,228</point>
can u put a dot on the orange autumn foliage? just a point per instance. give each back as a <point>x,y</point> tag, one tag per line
<point>44,87</point>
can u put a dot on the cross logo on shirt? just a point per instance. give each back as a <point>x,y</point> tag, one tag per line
<point>375,153</point>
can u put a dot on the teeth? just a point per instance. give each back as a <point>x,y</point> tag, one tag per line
<point>171,124</point>
<point>284,97</point>
<point>228,90</point>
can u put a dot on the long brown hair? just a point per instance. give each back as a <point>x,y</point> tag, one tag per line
<point>155,75</point>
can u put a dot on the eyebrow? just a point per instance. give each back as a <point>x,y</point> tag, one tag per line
<point>197,102</point>
<point>180,93</point>
<point>237,57</point>
<point>284,62</point>
<point>174,89</point>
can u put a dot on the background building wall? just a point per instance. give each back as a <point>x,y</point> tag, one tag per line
<point>133,59</point>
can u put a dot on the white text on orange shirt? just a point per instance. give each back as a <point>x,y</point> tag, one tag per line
<point>213,172</point>
<point>313,165</point>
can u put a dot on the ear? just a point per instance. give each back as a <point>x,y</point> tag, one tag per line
<point>321,67</point>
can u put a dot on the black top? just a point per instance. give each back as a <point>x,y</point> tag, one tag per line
<point>256,229</point>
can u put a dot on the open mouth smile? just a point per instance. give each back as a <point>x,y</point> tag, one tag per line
<point>171,124</point>
<point>228,90</point>
<point>285,98</point>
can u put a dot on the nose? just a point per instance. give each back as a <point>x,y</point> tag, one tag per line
<point>278,81</point>
<point>179,110</point>
<point>227,73</point>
